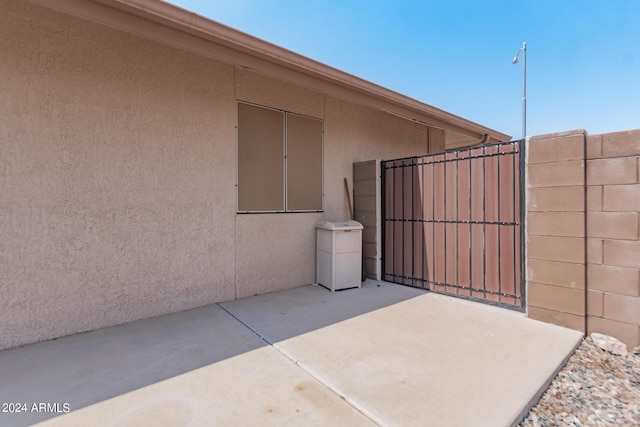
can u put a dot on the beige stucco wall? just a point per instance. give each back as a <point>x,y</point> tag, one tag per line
<point>277,251</point>
<point>113,206</point>
<point>356,134</point>
<point>117,175</point>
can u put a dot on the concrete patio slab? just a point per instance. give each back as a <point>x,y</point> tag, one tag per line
<point>383,354</point>
<point>281,315</point>
<point>87,368</point>
<point>257,388</point>
<point>428,360</point>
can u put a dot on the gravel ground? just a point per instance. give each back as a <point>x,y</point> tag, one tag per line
<point>595,388</point>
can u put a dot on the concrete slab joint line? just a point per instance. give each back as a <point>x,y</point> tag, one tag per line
<point>244,324</point>
<point>107,224</point>
<point>354,357</point>
<point>313,357</point>
<point>294,361</point>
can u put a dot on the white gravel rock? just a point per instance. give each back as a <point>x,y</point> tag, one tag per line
<point>595,388</point>
<point>610,344</point>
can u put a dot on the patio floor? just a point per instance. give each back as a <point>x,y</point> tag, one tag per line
<point>381,355</point>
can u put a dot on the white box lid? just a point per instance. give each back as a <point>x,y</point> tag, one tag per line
<point>345,225</point>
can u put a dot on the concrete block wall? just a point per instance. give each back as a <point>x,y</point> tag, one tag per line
<point>556,252</point>
<point>613,240</point>
<point>585,276</point>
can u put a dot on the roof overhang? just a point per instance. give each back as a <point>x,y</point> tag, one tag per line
<point>177,27</point>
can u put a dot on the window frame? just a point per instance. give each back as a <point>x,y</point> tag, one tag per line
<point>285,179</point>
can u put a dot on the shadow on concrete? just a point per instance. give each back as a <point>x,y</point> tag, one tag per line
<point>281,315</point>
<point>87,368</point>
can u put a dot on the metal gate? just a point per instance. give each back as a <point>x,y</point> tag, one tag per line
<point>452,223</point>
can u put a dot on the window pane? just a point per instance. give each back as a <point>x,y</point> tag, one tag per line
<point>260,159</point>
<point>304,163</point>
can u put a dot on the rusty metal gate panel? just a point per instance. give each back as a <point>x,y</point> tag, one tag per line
<point>452,223</point>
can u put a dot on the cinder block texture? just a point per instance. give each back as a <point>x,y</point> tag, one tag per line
<point>569,249</point>
<point>594,146</point>
<point>613,225</point>
<point>557,199</point>
<point>621,170</point>
<point>556,298</point>
<point>558,135</point>
<point>613,218</point>
<point>595,303</point>
<point>625,332</point>
<point>556,241</point>
<point>622,308</point>
<point>556,174</point>
<point>622,253</point>
<point>620,144</point>
<point>617,280</point>
<point>594,251</point>
<point>570,275</point>
<point>594,198</point>
<point>556,150</point>
<point>568,224</point>
<point>624,198</point>
<point>556,229</point>
<point>567,320</point>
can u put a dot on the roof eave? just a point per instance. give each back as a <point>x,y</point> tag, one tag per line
<point>172,25</point>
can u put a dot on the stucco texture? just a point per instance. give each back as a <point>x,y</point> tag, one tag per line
<point>113,208</point>
<point>277,251</point>
<point>118,173</point>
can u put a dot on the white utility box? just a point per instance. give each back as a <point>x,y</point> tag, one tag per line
<point>339,254</point>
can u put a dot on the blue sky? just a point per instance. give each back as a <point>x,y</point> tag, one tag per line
<point>583,56</point>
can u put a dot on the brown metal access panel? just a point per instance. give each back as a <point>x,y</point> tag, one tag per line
<point>452,223</point>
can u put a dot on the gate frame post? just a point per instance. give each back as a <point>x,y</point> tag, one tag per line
<point>522,147</point>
